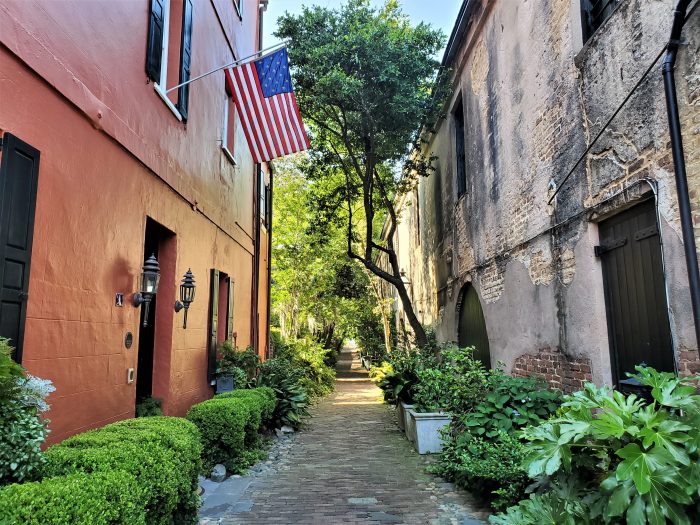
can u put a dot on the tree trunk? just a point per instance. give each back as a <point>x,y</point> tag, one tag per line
<point>416,326</point>
<point>386,326</point>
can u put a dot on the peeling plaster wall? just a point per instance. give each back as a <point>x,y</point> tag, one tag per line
<point>534,96</point>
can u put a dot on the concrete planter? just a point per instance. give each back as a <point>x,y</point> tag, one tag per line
<point>426,430</point>
<point>400,421</point>
<point>224,384</point>
<point>408,426</point>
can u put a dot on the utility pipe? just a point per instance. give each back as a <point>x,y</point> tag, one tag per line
<point>667,70</point>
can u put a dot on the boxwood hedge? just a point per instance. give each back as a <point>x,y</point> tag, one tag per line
<point>156,460</point>
<point>230,424</point>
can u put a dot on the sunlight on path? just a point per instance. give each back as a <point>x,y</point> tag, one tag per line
<point>351,464</point>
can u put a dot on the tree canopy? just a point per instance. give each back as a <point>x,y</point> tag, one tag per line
<point>365,80</point>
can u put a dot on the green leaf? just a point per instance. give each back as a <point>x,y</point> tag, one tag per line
<point>620,498</point>
<point>608,424</point>
<point>635,513</point>
<point>638,465</point>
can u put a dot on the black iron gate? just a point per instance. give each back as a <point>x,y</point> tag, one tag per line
<point>635,294</point>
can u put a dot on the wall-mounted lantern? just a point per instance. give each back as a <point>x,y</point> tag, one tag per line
<point>148,285</point>
<point>187,289</point>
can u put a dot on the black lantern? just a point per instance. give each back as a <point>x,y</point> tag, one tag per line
<point>148,285</point>
<point>187,289</point>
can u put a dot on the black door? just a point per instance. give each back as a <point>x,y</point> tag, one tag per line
<point>635,295</point>
<point>472,326</point>
<point>19,173</point>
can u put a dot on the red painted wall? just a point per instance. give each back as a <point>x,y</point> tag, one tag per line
<point>73,85</point>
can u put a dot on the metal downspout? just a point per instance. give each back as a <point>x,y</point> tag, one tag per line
<point>674,125</point>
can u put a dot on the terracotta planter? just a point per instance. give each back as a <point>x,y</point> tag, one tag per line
<point>426,428</point>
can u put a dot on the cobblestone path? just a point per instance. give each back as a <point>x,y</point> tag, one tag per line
<point>351,464</point>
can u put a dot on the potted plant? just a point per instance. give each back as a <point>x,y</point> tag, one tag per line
<point>427,417</point>
<point>234,368</point>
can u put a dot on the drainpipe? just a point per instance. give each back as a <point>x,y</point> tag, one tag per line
<point>674,125</point>
<point>269,263</point>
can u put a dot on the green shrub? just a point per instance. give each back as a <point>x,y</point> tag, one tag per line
<point>10,373</point>
<point>162,453</point>
<point>565,505</point>
<point>634,461</point>
<point>240,364</point>
<point>490,468</point>
<point>149,407</point>
<point>292,398</point>
<point>400,380</point>
<point>305,361</point>
<point>510,404</point>
<point>104,498</point>
<point>267,398</point>
<point>455,383</point>
<point>230,425</point>
<point>23,433</point>
<point>22,429</point>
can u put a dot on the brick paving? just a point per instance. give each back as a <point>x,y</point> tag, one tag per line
<point>350,464</point>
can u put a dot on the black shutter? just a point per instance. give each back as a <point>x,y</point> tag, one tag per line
<point>213,323</point>
<point>19,174</point>
<point>460,157</point>
<point>154,51</point>
<point>185,58</point>
<point>229,321</point>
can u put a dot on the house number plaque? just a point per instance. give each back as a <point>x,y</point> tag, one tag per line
<point>128,339</point>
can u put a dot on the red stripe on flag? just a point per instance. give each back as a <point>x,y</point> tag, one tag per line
<point>253,132</point>
<point>251,93</point>
<point>233,86</point>
<point>257,96</point>
<point>290,125</point>
<point>274,136</point>
<point>299,122</point>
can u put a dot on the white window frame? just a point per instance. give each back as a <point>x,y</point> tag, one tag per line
<point>161,85</point>
<point>225,146</point>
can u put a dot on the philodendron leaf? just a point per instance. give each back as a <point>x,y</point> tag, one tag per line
<point>638,465</point>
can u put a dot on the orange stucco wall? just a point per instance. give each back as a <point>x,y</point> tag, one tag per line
<point>73,85</point>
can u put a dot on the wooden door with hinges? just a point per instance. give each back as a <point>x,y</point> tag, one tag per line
<point>635,295</point>
<point>472,326</point>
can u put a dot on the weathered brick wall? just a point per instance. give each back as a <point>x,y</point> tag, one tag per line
<point>560,371</point>
<point>534,96</point>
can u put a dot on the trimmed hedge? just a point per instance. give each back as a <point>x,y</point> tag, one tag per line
<point>104,498</point>
<point>138,471</point>
<point>230,424</point>
<point>265,395</point>
<point>162,454</point>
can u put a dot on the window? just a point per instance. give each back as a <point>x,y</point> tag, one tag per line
<point>221,318</point>
<point>169,51</point>
<point>594,13</point>
<point>460,159</point>
<point>227,134</point>
<point>265,211</point>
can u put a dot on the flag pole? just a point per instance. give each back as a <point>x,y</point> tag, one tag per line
<point>232,64</point>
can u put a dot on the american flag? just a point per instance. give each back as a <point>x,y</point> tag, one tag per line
<point>262,91</point>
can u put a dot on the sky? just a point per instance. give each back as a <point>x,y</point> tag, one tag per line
<point>438,13</point>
